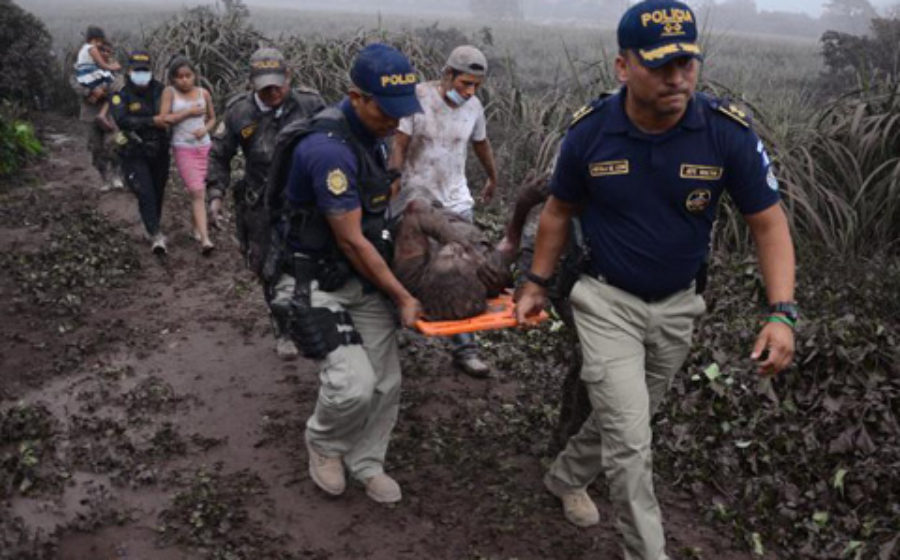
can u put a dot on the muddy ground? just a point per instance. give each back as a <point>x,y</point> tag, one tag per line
<point>144,414</point>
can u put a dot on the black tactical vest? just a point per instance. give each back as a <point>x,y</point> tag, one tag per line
<point>305,229</point>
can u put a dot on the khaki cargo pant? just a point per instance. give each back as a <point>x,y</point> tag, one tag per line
<point>632,350</point>
<point>359,385</point>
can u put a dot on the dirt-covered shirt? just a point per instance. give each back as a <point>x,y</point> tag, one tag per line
<point>436,157</point>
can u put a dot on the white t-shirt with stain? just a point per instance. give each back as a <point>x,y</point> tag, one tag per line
<point>435,163</point>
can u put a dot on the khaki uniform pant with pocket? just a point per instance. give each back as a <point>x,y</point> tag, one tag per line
<point>632,350</point>
<point>359,385</point>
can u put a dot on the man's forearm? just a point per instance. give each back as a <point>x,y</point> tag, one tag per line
<point>398,151</point>
<point>485,155</point>
<point>553,232</point>
<point>775,251</point>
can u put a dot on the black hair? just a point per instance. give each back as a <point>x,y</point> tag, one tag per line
<point>177,63</point>
<point>94,32</point>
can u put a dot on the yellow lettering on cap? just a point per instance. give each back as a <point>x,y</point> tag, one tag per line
<point>398,79</point>
<point>140,58</point>
<point>668,16</point>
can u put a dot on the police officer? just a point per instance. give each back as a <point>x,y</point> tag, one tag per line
<point>337,193</point>
<point>144,142</point>
<point>251,122</point>
<point>645,169</point>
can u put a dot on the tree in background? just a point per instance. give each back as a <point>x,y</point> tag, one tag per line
<point>26,59</point>
<point>851,16</point>
<point>863,60</point>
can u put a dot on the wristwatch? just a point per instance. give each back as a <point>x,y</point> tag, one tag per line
<point>786,308</point>
<point>539,280</point>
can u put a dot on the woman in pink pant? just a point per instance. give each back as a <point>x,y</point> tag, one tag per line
<point>188,108</point>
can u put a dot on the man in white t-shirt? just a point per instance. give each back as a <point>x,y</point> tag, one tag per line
<point>430,150</point>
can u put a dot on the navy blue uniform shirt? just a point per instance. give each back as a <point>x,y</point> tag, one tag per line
<point>650,199</point>
<point>324,168</point>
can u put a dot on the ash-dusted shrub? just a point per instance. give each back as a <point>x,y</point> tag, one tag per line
<point>26,60</point>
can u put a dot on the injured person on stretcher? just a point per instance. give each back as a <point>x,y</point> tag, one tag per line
<point>447,263</point>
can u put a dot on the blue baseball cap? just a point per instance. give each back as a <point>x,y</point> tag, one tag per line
<point>658,31</point>
<point>386,74</point>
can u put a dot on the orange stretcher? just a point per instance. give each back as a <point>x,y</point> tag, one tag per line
<point>500,314</point>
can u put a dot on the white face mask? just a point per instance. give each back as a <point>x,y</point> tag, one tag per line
<point>140,78</point>
<point>456,98</point>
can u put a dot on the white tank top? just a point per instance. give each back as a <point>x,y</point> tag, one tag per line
<point>183,132</point>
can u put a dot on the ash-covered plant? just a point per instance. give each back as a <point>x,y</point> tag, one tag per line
<point>26,60</point>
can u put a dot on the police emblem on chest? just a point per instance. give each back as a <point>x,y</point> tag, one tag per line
<point>337,182</point>
<point>134,107</point>
<point>606,168</point>
<point>698,200</point>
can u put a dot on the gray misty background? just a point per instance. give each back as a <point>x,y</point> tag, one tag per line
<point>795,18</point>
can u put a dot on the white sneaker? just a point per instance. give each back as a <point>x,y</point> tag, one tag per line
<point>159,244</point>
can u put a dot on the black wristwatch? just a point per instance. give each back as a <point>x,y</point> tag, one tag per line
<point>787,308</point>
<point>539,280</point>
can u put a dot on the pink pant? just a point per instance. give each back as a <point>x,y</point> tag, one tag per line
<point>191,162</point>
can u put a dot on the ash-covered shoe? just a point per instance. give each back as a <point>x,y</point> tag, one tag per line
<point>472,366</point>
<point>158,246</point>
<point>286,349</point>
<point>578,507</point>
<point>326,472</point>
<point>383,489</point>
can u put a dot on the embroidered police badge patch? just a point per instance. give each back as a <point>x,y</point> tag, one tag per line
<point>116,99</point>
<point>698,200</point>
<point>248,131</point>
<point>337,182</point>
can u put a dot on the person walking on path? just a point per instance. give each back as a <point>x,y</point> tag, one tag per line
<point>144,142</point>
<point>337,285</point>
<point>645,170</point>
<point>188,109</point>
<point>251,123</point>
<point>430,150</point>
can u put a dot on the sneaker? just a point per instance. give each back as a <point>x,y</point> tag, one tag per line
<point>383,489</point>
<point>159,244</point>
<point>286,349</point>
<point>326,472</point>
<point>578,507</point>
<point>472,366</point>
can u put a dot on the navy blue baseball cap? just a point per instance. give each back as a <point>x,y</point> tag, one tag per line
<point>658,31</point>
<point>386,74</point>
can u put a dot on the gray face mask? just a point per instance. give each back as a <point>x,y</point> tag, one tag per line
<point>140,78</point>
<point>456,98</point>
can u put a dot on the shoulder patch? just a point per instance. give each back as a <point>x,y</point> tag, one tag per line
<point>337,182</point>
<point>117,99</point>
<point>248,131</point>
<point>733,112</point>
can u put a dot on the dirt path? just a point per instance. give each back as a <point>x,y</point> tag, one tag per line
<point>146,416</point>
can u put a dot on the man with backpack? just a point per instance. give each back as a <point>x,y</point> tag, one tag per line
<point>251,123</point>
<point>329,192</point>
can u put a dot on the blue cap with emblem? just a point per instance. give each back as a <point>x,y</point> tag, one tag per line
<point>139,60</point>
<point>659,31</point>
<point>386,74</point>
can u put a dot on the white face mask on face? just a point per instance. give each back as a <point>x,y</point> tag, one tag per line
<point>140,78</point>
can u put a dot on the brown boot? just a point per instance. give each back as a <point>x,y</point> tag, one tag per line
<point>326,472</point>
<point>383,489</point>
<point>578,507</point>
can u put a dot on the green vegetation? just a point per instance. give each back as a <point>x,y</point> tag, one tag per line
<point>18,143</point>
